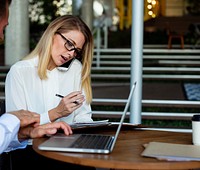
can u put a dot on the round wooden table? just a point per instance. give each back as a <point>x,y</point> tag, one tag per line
<point>127,151</point>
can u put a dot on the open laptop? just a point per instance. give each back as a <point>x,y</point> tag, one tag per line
<point>98,143</point>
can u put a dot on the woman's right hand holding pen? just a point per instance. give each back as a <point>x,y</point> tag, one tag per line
<point>67,105</point>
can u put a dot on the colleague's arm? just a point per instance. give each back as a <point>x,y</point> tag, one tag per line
<point>13,137</point>
<point>9,127</point>
<point>30,128</point>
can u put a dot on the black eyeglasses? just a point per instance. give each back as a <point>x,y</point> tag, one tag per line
<point>70,46</point>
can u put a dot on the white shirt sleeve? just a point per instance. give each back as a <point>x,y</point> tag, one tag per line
<point>9,127</point>
<point>44,118</point>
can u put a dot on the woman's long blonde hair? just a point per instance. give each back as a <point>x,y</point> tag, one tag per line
<point>64,24</point>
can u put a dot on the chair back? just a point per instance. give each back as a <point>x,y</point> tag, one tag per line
<point>2,107</point>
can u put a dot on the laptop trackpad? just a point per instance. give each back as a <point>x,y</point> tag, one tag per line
<point>60,140</point>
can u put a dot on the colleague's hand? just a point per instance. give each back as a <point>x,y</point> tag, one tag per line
<point>67,105</point>
<point>26,117</point>
<point>45,129</point>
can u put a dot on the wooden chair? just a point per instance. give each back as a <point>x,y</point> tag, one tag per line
<point>197,34</point>
<point>174,35</point>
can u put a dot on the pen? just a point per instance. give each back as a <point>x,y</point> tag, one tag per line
<point>58,95</point>
<point>76,102</point>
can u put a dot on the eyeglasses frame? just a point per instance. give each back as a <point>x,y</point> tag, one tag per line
<point>77,52</point>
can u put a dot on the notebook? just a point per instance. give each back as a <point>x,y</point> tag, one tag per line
<point>98,143</point>
<point>172,151</point>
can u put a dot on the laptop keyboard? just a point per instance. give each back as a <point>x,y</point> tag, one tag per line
<point>92,141</point>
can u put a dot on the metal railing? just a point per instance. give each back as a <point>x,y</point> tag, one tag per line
<point>158,64</point>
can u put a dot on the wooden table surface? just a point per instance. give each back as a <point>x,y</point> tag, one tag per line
<point>127,151</point>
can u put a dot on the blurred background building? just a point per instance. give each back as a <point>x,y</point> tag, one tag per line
<point>167,24</point>
<point>110,21</point>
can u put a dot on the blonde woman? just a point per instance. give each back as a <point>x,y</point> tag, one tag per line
<point>42,83</point>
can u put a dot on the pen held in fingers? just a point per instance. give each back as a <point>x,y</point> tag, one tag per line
<point>58,95</point>
<point>75,102</point>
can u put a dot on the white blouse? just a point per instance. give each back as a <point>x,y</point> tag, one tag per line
<point>25,90</point>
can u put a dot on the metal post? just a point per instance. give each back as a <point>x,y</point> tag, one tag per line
<point>136,60</point>
<point>75,10</point>
<point>105,28</point>
<point>98,39</point>
<point>87,12</point>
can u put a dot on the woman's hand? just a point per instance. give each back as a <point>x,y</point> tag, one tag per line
<point>67,105</point>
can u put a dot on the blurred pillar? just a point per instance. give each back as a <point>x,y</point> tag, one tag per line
<point>87,12</point>
<point>75,8</point>
<point>17,32</point>
<point>136,59</point>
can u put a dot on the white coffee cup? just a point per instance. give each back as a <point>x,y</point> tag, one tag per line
<point>196,129</point>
